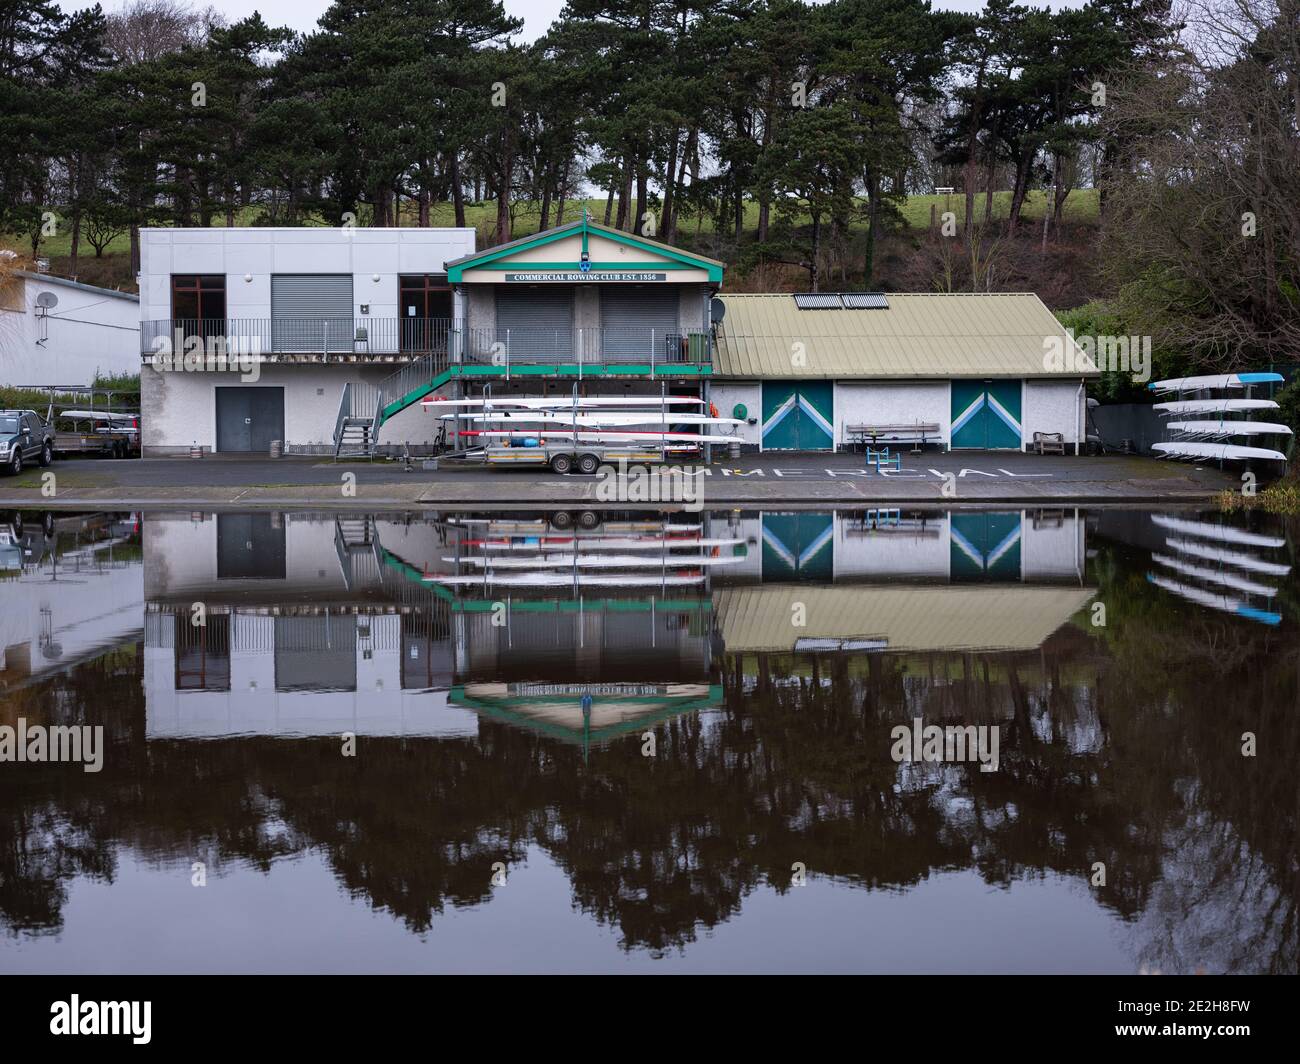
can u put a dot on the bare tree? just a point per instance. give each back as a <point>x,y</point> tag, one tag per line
<point>1204,238</point>
<point>144,30</point>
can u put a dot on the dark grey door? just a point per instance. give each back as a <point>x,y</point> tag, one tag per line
<point>248,419</point>
<point>535,324</point>
<point>637,319</point>
<point>249,547</point>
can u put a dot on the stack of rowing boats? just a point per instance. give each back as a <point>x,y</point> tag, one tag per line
<point>674,421</point>
<point>642,555</point>
<point>1204,426</point>
<point>1218,566</point>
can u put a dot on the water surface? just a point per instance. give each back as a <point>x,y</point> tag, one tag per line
<point>503,679</point>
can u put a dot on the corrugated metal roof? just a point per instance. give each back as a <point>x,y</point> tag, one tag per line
<point>945,617</point>
<point>917,335</point>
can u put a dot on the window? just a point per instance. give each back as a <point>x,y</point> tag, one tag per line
<point>199,297</point>
<point>425,301</point>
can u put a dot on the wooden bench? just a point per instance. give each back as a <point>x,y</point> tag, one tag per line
<point>1049,442</point>
<point>871,436</point>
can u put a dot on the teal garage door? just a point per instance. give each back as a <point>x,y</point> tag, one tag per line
<point>798,416</point>
<point>986,415</point>
<point>985,546</point>
<point>798,546</point>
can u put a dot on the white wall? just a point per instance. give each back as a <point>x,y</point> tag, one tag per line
<point>910,548</point>
<point>263,253</point>
<point>1052,406</point>
<point>91,331</point>
<point>253,706</point>
<point>180,407</point>
<point>726,394</point>
<point>180,556</point>
<point>90,608</point>
<point>1050,551</point>
<point>891,403</point>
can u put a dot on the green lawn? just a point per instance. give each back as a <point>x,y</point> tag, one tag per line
<point>1080,209</point>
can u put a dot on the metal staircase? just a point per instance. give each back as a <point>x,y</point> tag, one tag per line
<point>356,541</point>
<point>364,408</point>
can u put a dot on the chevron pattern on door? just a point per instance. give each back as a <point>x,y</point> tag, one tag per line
<point>798,416</point>
<point>986,415</point>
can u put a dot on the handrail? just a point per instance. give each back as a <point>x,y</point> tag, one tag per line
<point>362,335</point>
<point>430,341</point>
<point>345,410</point>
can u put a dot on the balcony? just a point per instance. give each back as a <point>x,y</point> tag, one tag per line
<point>362,339</point>
<point>440,341</point>
<point>629,348</point>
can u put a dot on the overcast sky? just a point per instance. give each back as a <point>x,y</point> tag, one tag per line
<point>537,14</point>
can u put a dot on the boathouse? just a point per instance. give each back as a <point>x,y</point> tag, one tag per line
<point>324,341</point>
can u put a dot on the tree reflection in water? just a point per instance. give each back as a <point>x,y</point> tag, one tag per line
<point>1120,745</point>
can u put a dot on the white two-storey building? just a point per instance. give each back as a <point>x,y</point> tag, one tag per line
<point>253,336</point>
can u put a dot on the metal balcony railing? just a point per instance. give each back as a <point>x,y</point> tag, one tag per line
<point>268,337</point>
<point>546,345</point>
<point>433,341</point>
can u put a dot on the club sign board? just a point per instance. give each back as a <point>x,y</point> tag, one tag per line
<point>578,277</point>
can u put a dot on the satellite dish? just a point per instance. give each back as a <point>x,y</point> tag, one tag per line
<point>717,310</point>
<point>47,300</point>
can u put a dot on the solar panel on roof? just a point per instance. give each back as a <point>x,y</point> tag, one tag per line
<point>818,301</point>
<point>866,301</point>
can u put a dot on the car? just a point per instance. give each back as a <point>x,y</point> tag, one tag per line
<point>24,438</point>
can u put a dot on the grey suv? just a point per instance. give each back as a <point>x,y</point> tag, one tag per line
<point>24,438</point>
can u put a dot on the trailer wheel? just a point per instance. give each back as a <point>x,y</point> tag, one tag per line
<point>588,519</point>
<point>561,464</point>
<point>561,519</point>
<point>588,464</point>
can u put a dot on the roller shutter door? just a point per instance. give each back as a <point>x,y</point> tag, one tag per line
<point>311,312</point>
<point>536,324</point>
<point>638,319</point>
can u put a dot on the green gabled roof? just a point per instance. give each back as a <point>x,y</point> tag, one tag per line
<point>457,267</point>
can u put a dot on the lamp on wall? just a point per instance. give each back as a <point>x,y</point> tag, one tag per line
<point>248,278</point>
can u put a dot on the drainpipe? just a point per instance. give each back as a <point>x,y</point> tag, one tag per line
<point>1081,401</point>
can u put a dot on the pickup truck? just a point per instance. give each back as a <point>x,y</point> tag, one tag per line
<point>24,438</point>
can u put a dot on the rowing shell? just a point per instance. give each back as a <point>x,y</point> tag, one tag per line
<point>540,403</point>
<point>1217,602</point>
<point>600,435</point>
<point>1226,452</point>
<point>1225,533</point>
<point>1213,381</point>
<point>563,579</point>
<point>600,561</point>
<point>1214,406</point>
<point>1230,428</point>
<point>542,543</point>
<point>1228,557</point>
<point>594,420</point>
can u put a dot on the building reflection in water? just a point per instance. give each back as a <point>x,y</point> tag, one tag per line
<point>394,626</point>
<point>503,672</point>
